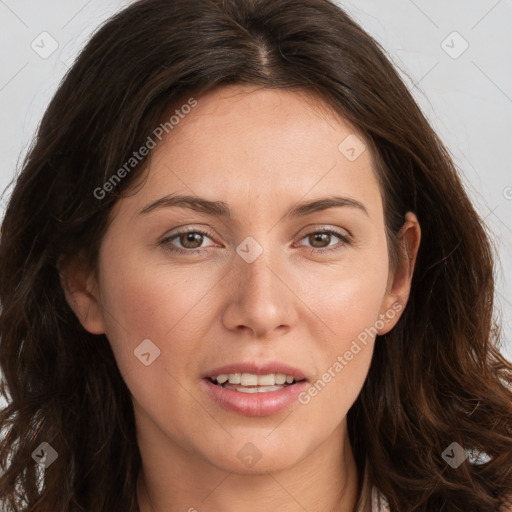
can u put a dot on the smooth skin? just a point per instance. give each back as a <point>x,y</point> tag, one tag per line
<point>261,152</point>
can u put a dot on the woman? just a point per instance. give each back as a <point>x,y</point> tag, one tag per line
<point>239,271</point>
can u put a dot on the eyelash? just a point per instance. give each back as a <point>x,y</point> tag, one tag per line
<point>345,240</point>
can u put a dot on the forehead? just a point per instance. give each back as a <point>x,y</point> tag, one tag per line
<point>278,145</point>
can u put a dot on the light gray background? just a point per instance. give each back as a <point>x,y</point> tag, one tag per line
<point>467,95</point>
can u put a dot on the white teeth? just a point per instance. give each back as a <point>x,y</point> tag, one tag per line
<point>280,378</point>
<point>235,378</point>
<point>266,380</point>
<point>263,389</point>
<point>250,379</point>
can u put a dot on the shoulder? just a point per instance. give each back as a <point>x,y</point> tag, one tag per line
<point>379,502</point>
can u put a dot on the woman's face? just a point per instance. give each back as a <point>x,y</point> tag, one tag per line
<point>268,290</point>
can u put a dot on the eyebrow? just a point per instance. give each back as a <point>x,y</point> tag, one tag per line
<point>221,209</point>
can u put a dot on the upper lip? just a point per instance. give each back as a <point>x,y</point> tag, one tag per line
<point>256,368</point>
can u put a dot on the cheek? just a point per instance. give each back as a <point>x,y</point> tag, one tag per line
<point>141,300</point>
<point>348,309</point>
<point>343,362</point>
<point>347,299</point>
<point>348,305</point>
<point>168,307</point>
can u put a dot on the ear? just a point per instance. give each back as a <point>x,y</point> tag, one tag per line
<point>81,291</point>
<point>399,283</point>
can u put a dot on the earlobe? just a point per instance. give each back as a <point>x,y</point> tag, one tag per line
<point>400,280</point>
<point>80,290</point>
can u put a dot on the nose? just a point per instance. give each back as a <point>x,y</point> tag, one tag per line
<point>261,297</point>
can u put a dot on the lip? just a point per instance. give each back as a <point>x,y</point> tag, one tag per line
<point>254,404</point>
<point>261,368</point>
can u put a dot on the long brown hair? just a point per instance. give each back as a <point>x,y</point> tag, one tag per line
<point>435,379</point>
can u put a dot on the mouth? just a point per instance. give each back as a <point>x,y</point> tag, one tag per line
<point>252,383</point>
<point>254,388</point>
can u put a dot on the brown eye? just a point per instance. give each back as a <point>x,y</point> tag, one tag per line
<point>187,242</point>
<point>192,240</point>
<point>319,240</point>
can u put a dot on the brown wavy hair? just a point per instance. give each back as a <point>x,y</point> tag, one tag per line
<point>436,378</point>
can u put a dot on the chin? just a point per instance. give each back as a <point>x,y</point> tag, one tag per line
<point>255,455</point>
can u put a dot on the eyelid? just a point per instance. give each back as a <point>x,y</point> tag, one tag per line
<point>323,228</point>
<point>344,235</point>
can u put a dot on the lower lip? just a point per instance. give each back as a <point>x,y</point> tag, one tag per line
<point>254,404</point>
